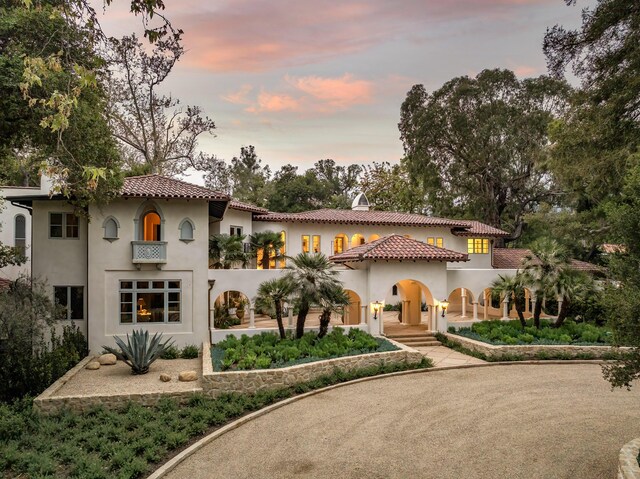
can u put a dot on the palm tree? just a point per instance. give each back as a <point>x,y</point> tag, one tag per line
<point>333,298</point>
<point>311,274</point>
<point>269,243</point>
<point>272,294</point>
<point>225,250</point>
<point>512,287</point>
<point>541,268</point>
<point>570,285</point>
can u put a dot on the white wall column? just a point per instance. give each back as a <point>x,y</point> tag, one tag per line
<point>505,307</point>
<point>252,318</point>
<point>290,316</point>
<point>475,310</point>
<point>533,304</point>
<point>442,322</point>
<point>463,297</point>
<point>363,317</point>
<point>486,306</point>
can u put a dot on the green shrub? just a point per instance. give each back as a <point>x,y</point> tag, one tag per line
<point>170,352</point>
<point>140,351</point>
<point>190,351</point>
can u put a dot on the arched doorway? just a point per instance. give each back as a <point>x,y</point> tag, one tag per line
<point>151,226</point>
<point>351,314</point>
<point>231,310</point>
<point>460,304</point>
<point>414,308</point>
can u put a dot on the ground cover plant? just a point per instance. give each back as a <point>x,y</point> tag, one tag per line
<point>267,350</point>
<point>133,441</point>
<point>511,332</point>
<point>190,351</point>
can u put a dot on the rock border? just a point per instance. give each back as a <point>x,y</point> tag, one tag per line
<point>628,467</point>
<point>254,380</point>
<point>531,351</point>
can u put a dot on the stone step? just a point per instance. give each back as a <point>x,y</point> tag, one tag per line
<point>401,337</point>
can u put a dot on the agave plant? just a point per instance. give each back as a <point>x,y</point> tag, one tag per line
<point>139,352</point>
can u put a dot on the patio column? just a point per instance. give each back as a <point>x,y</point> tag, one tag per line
<point>526,301</point>
<point>363,317</point>
<point>475,311</point>
<point>533,303</point>
<point>290,316</point>
<point>463,297</point>
<point>560,300</point>
<point>252,318</point>
<point>486,306</point>
<point>405,311</point>
<point>505,307</point>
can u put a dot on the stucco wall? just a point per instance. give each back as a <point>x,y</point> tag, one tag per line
<point>111,261</point>
<point>233,218</point>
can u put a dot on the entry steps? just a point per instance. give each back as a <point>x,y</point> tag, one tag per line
<point>416,339</point>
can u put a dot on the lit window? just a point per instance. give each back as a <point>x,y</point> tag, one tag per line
<point>283,250</point>
<point>186,230</point>
<point>20,234</point>
<point>340,244</point>
<point>151,227</point>
<point>71,300</point>
<point>63,225</point>
<point>259,255</point>
<point>305,243</point>
<point>435,242</point>
<point>150,301</point>
<point>316,243</point>
<point>357,240</point>
<point>477,246</point>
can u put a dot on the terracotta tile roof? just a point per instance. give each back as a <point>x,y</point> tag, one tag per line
<point>157,186</point>
<point>511,258</point>
<point>475,228</point>
<point>609,248</point>
<point>5,283</point>
<point>239,205</point>
<point>397,247</point>
<point>361,218</point>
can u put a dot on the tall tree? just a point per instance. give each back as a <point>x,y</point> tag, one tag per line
<point>272,294</point>
<point>477,145</point>
<point>389,188</point>
<point>152,128</point>
<point>293,192</point>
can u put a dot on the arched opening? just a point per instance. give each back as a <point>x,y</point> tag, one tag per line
<point>460,305</point>
<point>351,314</point>
<point>373,237</point>
<point>20,234</point>
<point>357,240</point>
<point>340,243</point>
<point>151,226</point>
<point>110,229</point>
<point>231,310</point>
<point>492,306</point>
<point>412,309</point>
<point>186,230</point>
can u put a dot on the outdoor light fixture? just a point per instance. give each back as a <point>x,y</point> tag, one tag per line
<point>444,304</point>
<point>376,309</point>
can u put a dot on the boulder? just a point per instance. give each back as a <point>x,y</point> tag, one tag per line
<point>188,376</point>
<point>107,359</point>
<point>165,378</point>
<point>92,365</point>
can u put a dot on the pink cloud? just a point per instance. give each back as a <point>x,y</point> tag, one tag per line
<point>274,102</point>
<point>525,71</point>
<point>336,93</point>
<point>240,97</point>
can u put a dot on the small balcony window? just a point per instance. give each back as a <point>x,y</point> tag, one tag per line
<point>110,229</point>
<point>186,229</point>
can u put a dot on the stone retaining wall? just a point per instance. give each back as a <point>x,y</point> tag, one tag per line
<point>628,460</point>
<point>215,383</point>
<point>531,351</point>
<point>48,402</point>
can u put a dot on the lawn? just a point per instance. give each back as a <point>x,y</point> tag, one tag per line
<point>267,350</point>
<point>511,332</point>
<point>131,442</point>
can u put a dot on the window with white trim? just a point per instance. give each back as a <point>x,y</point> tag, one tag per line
<point>478,246</point>
<point>435,241</point>
<point>150,301</point>
<point>235,231</point>
<point>71,300</point>
<point>20,234</point>
<point>63,225</point>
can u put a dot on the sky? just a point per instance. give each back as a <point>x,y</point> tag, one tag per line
<point>303,80</point>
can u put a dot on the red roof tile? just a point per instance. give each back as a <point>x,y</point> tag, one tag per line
<point>511,258</point>
<point>157,186</point>
<point>396,247</point>
<point>239,205</point>
<point>361,218</point>
<point>475,228</point>
<point>5,283</point>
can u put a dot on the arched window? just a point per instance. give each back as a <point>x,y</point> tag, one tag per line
<point>151,227</point>
<point>357,240</point>
<point>340,243</point>
<point>20,234</point>
<point>394,290</point>
<point>110,228</point>
<point>186,230</point>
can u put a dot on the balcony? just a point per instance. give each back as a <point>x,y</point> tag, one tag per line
<point>149,252</point>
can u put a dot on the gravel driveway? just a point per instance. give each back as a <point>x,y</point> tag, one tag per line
<point>517,421</point>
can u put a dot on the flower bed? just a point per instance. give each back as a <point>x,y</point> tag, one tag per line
<point>511,333</point>
<point>268,351</point>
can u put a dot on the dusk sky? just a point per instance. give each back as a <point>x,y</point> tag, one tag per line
<point>306,80</point>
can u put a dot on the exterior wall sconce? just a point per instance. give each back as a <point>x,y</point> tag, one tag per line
<point>376,309</point>
<point>444,304</point>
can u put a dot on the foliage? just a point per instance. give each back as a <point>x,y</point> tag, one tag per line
<point>152,129</point>
<point>266,350</point>
<point>32,354</point>
<point>190,351</point>
<point>513,288</point>
<point>222,319</point>
<point>389,188</point>
<point>226,251</point>
<point>139,352</point>
<point>510,332</point>
<point>266,246</point>
<point>272,294</point>
<point>130,442</point>
<point>477,145</point>
<point>312,275</point>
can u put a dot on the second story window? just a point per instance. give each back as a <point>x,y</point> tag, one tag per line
<point>478,246</point>
<point>305,244</point>
<point>63,225</point>
<point>315,244</point>
<point>235,231</point>
<point>435,241</point>
<point>151,227</point>
<point>20,234</point>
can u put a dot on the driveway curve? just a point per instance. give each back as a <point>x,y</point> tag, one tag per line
<point>515,421</point>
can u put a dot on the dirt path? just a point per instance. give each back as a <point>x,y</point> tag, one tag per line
<point>516,421</point>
